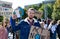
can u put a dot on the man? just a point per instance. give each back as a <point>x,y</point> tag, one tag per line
<point>25,25</point>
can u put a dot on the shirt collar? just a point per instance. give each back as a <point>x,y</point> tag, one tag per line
<point>27,20</point>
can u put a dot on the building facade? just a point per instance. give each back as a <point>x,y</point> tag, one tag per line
<point>6,9</point>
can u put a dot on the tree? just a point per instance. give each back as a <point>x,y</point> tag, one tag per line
<point>49,9</point>
<point>25,15</point>
<point>56,10</point>
<point>41,9</point>
<point>1,18</point>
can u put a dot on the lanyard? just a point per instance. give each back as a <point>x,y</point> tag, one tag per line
<point>31,23</point>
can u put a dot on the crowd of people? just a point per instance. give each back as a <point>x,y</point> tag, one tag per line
<point>48,29</point>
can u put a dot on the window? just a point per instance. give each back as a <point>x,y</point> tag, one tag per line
<point>6,5</point>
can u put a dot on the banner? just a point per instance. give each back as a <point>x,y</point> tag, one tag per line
<point>34,33</point>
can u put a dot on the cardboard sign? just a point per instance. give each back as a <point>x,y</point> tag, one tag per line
<point>45,34</point>
<point>34,33</point>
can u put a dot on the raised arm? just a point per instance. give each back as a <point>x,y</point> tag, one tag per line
<point>14,26</point>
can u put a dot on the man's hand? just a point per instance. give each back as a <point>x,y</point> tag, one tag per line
<point>14,16</point>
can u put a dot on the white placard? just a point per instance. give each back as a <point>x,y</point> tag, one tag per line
<point>17,13</point>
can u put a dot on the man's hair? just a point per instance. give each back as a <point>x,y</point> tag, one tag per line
<point>32,9</point>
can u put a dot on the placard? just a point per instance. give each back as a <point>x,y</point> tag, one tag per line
<point>34,33</point>
<point>45,34</point>
<point>17,13</point>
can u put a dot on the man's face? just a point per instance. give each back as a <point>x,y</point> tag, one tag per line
<point>31,14</point>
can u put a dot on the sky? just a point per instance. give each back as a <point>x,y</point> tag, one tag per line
<point>22,3</point>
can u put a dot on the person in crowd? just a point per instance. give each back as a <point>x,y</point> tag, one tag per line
<point>3,31</point>
<point>58,28</point>
<point>39,14</point>
<point>45,34</point>
<point>45,25</point>
<point>9,29</point>
<point>24,25</point>
<point>52,28</point>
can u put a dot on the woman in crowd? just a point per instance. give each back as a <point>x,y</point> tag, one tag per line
<point>9,29</point>
<point>58,28</point>
<point>3,31</point>
<point>52,28</point>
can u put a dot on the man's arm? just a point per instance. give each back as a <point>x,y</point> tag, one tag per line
<point>14,26</point>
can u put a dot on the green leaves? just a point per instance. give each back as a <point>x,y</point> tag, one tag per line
<point>1,18</point>
<point>56,10</point>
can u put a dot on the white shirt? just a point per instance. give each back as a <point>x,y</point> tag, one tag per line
<point>52,27</point>
<point>45,26</point>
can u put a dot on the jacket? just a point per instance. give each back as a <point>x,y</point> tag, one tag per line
<point>23,26</point>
